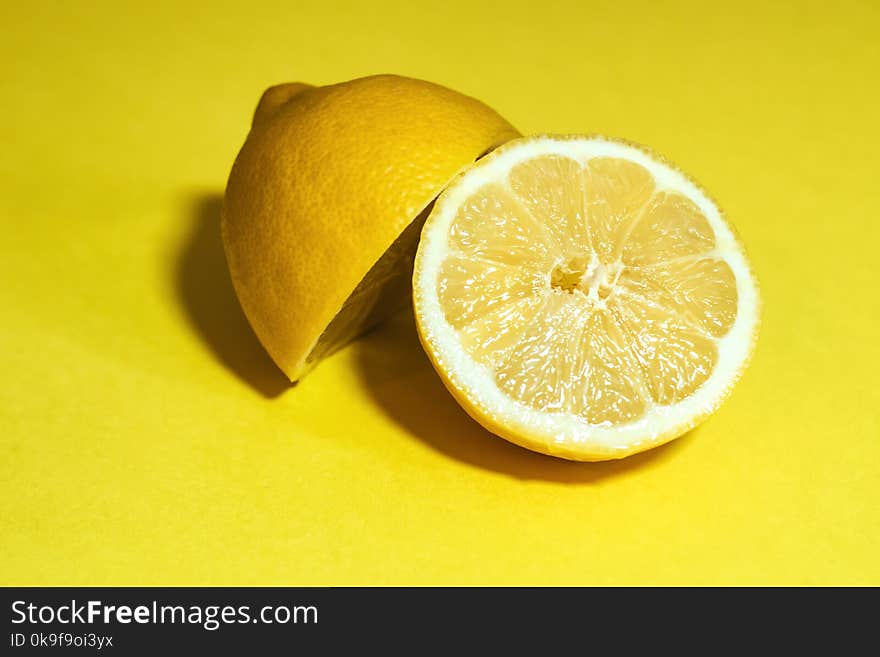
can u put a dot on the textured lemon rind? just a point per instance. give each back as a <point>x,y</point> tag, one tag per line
<point>327,179</point>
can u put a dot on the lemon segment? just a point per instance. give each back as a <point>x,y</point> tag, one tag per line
<point>583,298</point>
<point>324,204</point>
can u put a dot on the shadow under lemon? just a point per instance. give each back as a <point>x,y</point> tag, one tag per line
<point>391,364</point>
<point>396,372</point>
<point>208,299</point>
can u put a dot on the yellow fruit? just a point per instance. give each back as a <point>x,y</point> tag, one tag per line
<point>320,197</point>
<point>583,298</point>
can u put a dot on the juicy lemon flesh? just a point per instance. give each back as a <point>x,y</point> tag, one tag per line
<point>587,290</point>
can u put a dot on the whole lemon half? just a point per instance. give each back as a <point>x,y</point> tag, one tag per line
<point>582,297</point>
<point>326,199</point>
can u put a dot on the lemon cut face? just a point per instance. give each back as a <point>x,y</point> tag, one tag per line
<point>583,298</point>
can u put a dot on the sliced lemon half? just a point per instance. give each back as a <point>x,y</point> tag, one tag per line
<point>581,297</point>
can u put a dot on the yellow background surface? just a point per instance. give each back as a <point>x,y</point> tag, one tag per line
<point>146,438</point>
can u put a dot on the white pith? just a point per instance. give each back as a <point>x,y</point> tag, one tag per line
<point>559,432</point>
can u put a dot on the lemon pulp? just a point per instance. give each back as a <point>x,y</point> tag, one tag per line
<point>580,297</point>
<point>584,287</point>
